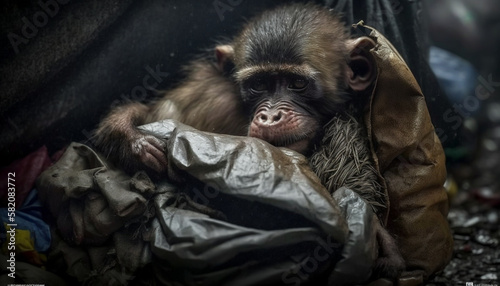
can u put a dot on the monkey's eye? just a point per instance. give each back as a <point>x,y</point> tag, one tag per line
<point>298,84</point>
<point>258,86</point>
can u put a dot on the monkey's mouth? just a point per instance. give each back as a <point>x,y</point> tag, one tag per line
<point>298,143</point>
<point>285,134</point>
<point>300,146</point>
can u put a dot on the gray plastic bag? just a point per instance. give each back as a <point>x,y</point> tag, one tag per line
<point>232,211</point>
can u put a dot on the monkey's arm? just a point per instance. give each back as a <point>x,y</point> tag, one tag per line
<point>118,138</point>
<point>207,100</point>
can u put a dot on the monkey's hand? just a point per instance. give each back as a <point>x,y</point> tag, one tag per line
<point>148,151</point>
<point>131,149</point>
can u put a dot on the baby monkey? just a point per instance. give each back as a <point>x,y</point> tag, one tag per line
<point>282,79</point>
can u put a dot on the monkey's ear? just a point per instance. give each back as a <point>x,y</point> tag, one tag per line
<point>361,70</point>
<point>224,55</point>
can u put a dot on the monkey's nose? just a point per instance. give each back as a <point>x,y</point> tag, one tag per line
<point>270,117</point>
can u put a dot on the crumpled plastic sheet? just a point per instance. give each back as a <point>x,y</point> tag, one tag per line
<point>278,215</point>
<point>233,211</point>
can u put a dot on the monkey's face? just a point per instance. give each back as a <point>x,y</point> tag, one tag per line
<point>294,66</point>
<point>282,105</point>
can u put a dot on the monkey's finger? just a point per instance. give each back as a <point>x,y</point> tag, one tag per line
<point>154,159</point>
<point>154,163</point>
<point>160,145</point>
<point>154,155</point>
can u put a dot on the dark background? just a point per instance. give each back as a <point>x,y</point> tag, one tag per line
<point>60,78</point>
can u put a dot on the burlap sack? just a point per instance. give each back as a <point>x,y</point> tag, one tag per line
<point>410,157</point>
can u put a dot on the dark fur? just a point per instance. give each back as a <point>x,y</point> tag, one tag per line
<point>283,37</point>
